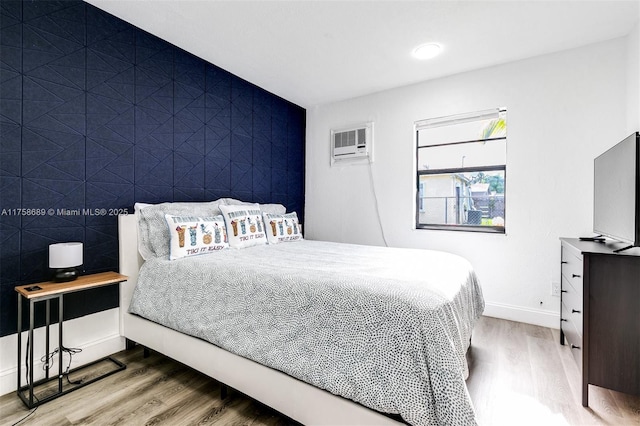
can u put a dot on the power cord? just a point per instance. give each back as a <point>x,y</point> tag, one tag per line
<point>48,361</point>
<point>375,198</point>
<point>25,417</point>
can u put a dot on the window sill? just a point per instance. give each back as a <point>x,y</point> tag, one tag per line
<point>464,228</point>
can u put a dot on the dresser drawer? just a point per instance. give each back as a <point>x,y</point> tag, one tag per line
<point>573,339</point>
<point>572,304</point>
<point>572,268</point>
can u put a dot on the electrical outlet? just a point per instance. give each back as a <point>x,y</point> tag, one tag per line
<point>555,289</point>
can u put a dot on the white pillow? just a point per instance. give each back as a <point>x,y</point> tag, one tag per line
<point>244,225</point>
<point>191,236</point>
<point>139,206</point>
<point>269,208</point>
<point>282,227</point>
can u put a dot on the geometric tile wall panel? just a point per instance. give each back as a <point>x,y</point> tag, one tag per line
<point>261,183</point>
<point>9,230</point>
<point>189,127</point>
<point>241,177</point>
<point>98,114</point>
<point>153,118</point>
<point>10,150</point>
<point>53,129</point>
<point>279,186</point>
<point>10,87</point>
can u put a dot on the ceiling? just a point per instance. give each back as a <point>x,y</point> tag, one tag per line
<point>316,52</point>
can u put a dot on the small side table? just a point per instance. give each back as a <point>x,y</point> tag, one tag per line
<point>44,292</point>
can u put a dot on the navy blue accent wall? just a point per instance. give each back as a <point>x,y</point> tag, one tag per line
<point>98,114</point>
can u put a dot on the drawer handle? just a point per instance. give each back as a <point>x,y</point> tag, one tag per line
<point>575,276</point>
<point>575,347</point>
<point>564,262</point>
<point>564,291</point>
<point>562,319</point>
<point>573,311</point>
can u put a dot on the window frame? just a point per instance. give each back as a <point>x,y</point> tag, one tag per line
<point>451,120</point>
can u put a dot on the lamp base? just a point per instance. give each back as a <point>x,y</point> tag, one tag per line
<point>63,275</point>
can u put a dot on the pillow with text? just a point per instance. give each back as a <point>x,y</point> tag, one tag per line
<point>244,225</point>
<point>282,227</point>
<point>192,235</point>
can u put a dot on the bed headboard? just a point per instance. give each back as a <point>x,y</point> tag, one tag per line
<point>130,261</point>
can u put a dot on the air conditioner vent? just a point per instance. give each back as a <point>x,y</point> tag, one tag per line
<point>344,139</point>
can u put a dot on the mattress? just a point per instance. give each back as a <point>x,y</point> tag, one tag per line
<point>385,327</point>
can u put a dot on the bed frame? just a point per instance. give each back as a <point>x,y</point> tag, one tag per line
<point>292,397</point>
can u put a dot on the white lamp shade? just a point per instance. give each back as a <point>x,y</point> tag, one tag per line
<point>65,255</point>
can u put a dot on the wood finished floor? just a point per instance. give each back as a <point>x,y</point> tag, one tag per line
<point>519,375</point>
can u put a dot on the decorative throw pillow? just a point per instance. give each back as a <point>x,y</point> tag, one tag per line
<point>153,234</point>
<point>191,236</point>
<point>244,225</point>
<point>282,227</point>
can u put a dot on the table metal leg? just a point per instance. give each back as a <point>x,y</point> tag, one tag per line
<point>19,338</point>
<point>31,345</point>
<point>48,316</point>
<point>60,298</point>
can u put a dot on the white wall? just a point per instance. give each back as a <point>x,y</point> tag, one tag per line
<point>633,80</point>
<point>563,110</point>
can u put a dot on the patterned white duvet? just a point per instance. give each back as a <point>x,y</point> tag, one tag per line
<point>385,327</point>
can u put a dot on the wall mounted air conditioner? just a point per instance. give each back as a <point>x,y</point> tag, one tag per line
<point>352,143</point>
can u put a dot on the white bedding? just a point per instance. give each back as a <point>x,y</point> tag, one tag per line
<point>387,328</point>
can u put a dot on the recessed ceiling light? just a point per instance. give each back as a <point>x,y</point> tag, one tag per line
<point>427,51</point>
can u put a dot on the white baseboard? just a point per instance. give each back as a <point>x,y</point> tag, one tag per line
<point>98,335</point>
<point>518,313</point>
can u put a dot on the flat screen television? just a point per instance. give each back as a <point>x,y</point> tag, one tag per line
<point>616,197</point>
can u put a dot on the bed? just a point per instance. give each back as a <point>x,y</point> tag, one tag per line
<point>325,333</point>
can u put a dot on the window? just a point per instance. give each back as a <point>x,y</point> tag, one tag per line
<point>461,172</point>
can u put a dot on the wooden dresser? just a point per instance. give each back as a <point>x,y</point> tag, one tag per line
<point>600,313</point>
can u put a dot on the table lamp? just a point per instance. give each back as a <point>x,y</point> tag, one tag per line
<point>63,259</point>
